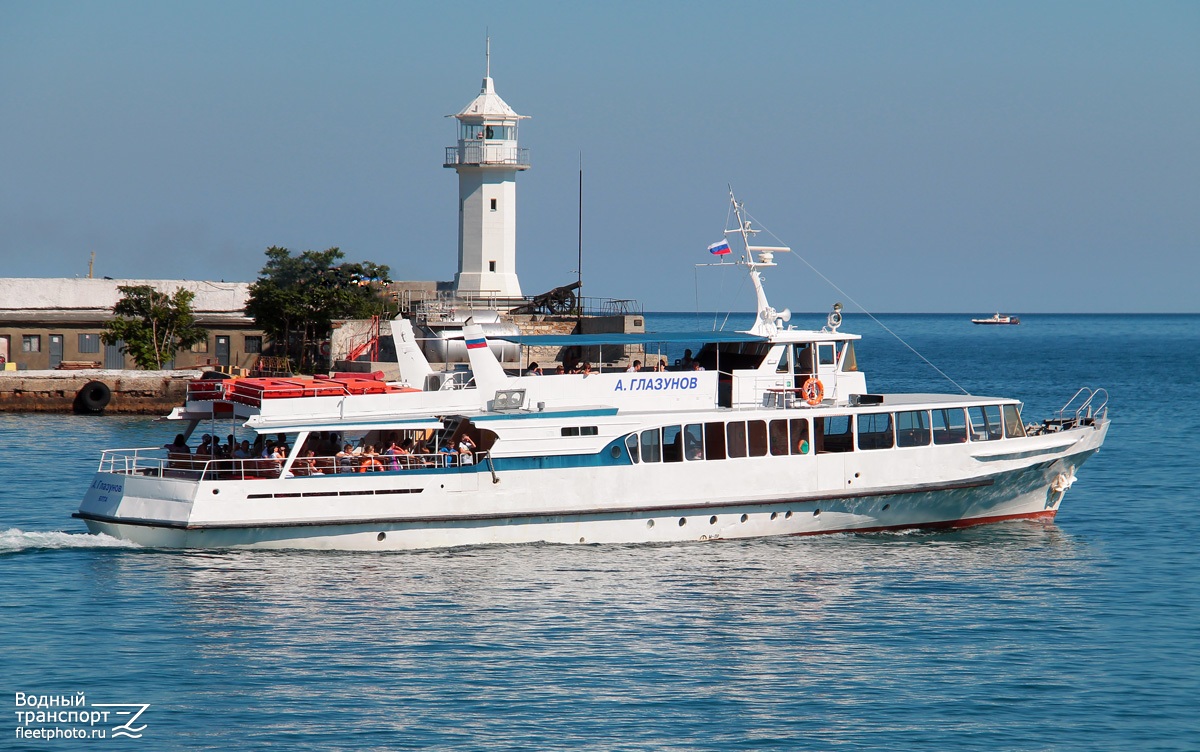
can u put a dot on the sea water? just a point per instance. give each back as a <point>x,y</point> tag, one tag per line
<point>1083,634</point>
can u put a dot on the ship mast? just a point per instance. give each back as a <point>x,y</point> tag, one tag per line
<point>767,321</point>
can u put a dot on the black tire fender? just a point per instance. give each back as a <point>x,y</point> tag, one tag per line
<point>93,397</point>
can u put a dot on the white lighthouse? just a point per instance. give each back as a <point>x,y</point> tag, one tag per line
<point>487,160</point>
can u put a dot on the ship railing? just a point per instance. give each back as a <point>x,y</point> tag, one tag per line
<point>487,154</point>
<point>1084,408</point>
<point>149,461</point>
<point>448,305</point>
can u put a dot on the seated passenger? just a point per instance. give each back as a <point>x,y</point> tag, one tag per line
<point>309,465</point>
<point>346,460</point>
<point>178,446</point>
<point>370,461</point>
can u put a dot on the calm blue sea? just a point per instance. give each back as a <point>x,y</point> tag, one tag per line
<point>1079,635</point>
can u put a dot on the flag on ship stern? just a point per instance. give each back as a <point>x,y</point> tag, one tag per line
<point>720,248</point>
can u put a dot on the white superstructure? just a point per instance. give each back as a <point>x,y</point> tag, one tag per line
<point>772,431</point>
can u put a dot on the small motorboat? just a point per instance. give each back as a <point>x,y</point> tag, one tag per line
<point>997,319</point>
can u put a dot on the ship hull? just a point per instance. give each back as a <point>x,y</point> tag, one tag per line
<point>467,509</point>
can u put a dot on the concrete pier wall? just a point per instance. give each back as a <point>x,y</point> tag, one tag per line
<point>146,392</point>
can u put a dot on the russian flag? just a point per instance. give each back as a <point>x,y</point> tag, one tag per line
<point>719,249</point>
<point>475,344</point>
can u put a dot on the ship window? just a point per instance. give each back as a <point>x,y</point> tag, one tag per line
<point>804,360</point>
<point>631,443</point>
<point>985,423</point>
<point>714,441</point>
<point>875,431</point>
<point>579,430</point>
<point>736,433</point>
<point>799,441</point>
<point>693,441</point>
<point>949,426</point>
<point>651,446</point>
<point>672,444</point>
<point>779,437</point>
<point>1013,427</point>
<point>757,433</point>
<point>89,343</point>
<point>825,351</point>
<point>912,428</point>
<point>785,365</point>
<point>834,434</point>
<point>847,357</point>
<point>493,209</point>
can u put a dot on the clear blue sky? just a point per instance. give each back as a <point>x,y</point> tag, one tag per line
<point>925,156</point>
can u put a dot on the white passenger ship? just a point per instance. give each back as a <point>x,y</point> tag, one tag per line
<point>776,434</point>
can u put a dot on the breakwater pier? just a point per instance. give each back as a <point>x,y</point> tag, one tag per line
<point>93,390</point>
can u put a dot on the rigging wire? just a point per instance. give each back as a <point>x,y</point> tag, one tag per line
<point>860,306</point>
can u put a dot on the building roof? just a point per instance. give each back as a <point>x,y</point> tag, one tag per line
<point>68,299</point>
<point>488,105</point>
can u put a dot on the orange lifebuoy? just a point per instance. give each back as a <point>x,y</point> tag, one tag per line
<point>370,464</point>
<point>813,391</point>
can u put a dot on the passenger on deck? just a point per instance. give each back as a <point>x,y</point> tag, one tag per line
<point>559,370</point>
<point>447,450</point>
<point>466,450</point>
<point>370,461</point>
<point>396,456</point>
<point>420,453</point>
<point>662,365</point>
<point>686,363</point>
<point>637,366</point>
<point>533,370</point>
<point>178,446</point>
<point>308,465</point>
<point>345,459</point>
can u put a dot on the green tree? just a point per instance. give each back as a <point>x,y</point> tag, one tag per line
<point>153,325</point>
<point>296,299</point>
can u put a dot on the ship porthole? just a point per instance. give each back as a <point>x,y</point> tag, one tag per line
<point>581,540</point>
<point>816,513</point>
<point>712,520</point>
<point>788,516</point>
<point>745,517</point>
<point>216,491</point>
<point>774,515</point>
<point>615,452</point>
<point>649,523</point>
<point>381,536</point>
<point>682,521</point>
<point>887,507</point>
